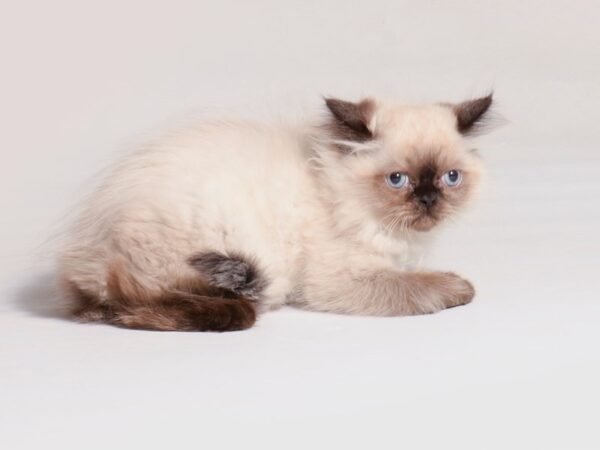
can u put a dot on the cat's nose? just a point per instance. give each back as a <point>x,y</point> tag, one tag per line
<point>428,200</point>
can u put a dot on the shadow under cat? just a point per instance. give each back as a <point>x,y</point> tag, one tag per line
<point>41,297</point>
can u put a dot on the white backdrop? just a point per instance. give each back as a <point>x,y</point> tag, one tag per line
<point>519,368</point>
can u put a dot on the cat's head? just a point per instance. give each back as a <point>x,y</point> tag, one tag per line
<point>407,167</point>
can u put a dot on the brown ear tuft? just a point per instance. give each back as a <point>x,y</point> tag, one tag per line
<point>470,115</point>
<point>351,120</point>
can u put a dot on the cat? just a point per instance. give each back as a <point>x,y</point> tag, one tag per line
<point>206,227</point>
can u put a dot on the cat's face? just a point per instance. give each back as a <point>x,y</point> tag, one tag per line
<point>409,167</point>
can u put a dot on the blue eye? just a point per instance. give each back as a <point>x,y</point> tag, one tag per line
<point>397,180</point>
<point>452,178</point>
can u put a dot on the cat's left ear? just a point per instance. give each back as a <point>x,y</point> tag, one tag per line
<point>472,115</point>
<point>351,121</point>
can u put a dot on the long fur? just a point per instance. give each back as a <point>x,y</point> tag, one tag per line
<point>305,206</point>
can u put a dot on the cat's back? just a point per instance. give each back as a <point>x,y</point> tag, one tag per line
<point>220,186</point>
<point>220,162</point>
<point>197,153</point>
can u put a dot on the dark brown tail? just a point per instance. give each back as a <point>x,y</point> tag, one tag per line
<point>189,312</point>
<point>192,306</point>
<point>178,311</point>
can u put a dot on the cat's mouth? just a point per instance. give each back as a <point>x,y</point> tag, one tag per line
<point>425,221</point>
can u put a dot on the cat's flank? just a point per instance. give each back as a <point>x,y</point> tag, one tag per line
<point>206,227</point>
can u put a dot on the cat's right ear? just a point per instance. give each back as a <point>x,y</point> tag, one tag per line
<point>472,116</point>
<point>351,121</point>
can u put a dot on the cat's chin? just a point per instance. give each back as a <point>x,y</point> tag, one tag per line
<point>424,222</point>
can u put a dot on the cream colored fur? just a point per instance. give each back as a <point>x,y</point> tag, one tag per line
<point>283,195</point>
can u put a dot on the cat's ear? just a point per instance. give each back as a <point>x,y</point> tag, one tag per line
<point>351,121</point>
<point>472,115</point>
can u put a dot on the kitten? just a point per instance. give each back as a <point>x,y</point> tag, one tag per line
<point>206,227</point>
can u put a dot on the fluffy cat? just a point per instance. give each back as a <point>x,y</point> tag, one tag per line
<point>206,227</point>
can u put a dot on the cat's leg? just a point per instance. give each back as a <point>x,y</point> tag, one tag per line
<point>221,298</point>
<point>234,272</point>
<point>385,292</point>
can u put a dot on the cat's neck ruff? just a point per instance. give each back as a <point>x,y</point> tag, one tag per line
<point>405,249</point>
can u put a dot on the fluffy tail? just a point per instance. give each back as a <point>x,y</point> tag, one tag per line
<point>222,299</point>
<point>188,312</point>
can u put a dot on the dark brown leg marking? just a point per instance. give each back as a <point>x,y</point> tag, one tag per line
<point>233,272</point>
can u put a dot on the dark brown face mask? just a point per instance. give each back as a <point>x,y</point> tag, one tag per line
<point>426,192</point>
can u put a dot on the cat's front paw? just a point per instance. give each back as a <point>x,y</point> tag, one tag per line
<point>454,290</point>
<point>430,292</point>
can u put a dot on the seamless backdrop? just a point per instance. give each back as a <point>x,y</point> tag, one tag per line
<point>81,82</point>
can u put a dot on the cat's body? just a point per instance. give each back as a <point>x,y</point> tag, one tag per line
<point>203,228</point>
